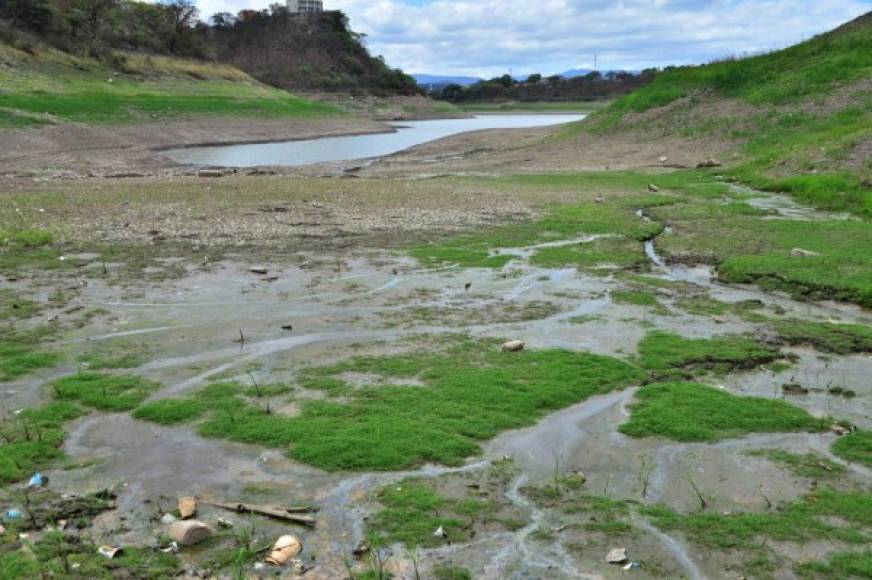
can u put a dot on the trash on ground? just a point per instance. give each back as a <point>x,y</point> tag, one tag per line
<point>109,551</point>
<point>13,514</point>
<point>440,532</point>
<point>285,548</point>
<point>189,532</point>
<point>632,566</point>
<point>187,507</point>
<point>173,548</point>
<point>167,518</point>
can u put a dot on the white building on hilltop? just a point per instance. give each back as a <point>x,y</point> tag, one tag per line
<point>305,6</point>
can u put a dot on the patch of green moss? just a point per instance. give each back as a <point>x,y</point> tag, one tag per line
<point>104,392</point>
<point>667,355</point>
<point>838,566</point>
<point>856,447</point>
<point>696,412</point>
<point>466,392</point>
<point>33,439</point>
<point>826,337</point>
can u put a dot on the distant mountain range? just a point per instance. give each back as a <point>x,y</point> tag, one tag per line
<point>437,81</point>
<point>430,81</point>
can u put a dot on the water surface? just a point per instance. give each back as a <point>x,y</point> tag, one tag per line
<point>346,148</point>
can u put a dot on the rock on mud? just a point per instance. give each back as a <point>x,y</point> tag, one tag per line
<point>710,162</point>
<point>187,507</point>
<point>616,556</point>
<point>513,346</point>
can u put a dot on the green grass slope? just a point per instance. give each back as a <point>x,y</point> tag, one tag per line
<point>799,118</point>
<point>41,85</point>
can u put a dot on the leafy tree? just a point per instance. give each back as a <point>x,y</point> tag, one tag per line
<point>534,78</point>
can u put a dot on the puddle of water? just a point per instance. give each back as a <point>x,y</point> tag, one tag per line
<point>306,152</point>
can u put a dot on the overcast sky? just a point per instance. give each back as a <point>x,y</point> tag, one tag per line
<point>489,37</point>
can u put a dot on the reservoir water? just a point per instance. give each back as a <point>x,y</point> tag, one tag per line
<point>347,148</point>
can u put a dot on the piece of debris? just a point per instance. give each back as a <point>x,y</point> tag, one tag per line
<point>109,551</point>
<point>37,480</point>
<point>173,548</point>
<point>800,253</point>
<point>513,346</point>
<point>616,556</point>
<point>291,514</point>
<point>440,532</point>
<point>13,514</point>
<point>189,532</point>
<point>599,199</point>
<point>285,548</point>
<point>2,529</point>
<point>270,278</point>
<point>222,523</point>
<point>793,389</point>
<point>653,188</point>
<point>258,270</point>
<point>632,566</point>
<point>259,565</point>
<point>467,286</point>
<point>287,327</point>
<point>187,507</point>
<point>710,162</point>
<point>167,518</point>
<point>663,159</point>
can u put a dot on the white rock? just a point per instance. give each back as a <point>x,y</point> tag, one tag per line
<point>617,556</point>
<point>513,346</point>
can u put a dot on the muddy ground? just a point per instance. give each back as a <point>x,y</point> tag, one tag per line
<point>336,271</point>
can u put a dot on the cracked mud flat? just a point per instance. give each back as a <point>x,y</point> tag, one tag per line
<point>189,328</point>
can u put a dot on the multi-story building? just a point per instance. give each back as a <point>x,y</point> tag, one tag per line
<point>305,6</point>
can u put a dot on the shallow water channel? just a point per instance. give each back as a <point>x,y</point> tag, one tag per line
<point>345,148</point>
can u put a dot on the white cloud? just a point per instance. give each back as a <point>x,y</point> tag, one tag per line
<point>487,37</point>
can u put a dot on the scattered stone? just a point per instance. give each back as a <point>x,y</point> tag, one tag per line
<point>287,327</point>
<point>663,159</point>
<point>794,389</point>
<point>837,390</point>
<point>109,551</point>
<point>849,394</point>
<point>189,532</point>
<point>173,548</point>
<point>258,270</point>
<point>210,173</point>
<point>800,253</point>
<point>361,548</point>
<point>632,566</point>
<point>599,199</point>
<point>222,523</point>
<point>285,548</point>
<point>187,507</point>
<point>513,346</point>
<point>467,286</point>
<point>440,532</point>
<point>710,162</point>
<point>653,188</point>
<point>616,556</point>
<point>167,519</point>
<point>840,429</point>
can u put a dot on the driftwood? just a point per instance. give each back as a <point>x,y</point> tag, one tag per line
<point>292,514</point>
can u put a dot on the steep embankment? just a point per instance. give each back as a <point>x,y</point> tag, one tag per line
<point>796,120</point>
<point>42,85</point>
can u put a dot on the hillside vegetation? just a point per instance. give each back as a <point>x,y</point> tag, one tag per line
<point>43,85</point>
<point>798,119</point>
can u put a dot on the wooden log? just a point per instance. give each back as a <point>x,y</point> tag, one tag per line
<point>291,514</point>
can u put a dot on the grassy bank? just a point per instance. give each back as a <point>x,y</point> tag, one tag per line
<point>48,86</point>
<point>798,117</point>
<point>534,107</point>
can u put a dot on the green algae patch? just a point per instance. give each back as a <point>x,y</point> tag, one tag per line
<point>826,337</point>
<point>465,393</point>
<point>823,515</point>
<point>809,465</point>
<point>104,392</point>
<point>666,355</point>
<point>33,438</point>
<point>856,447</point>
<point>696,412</point>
